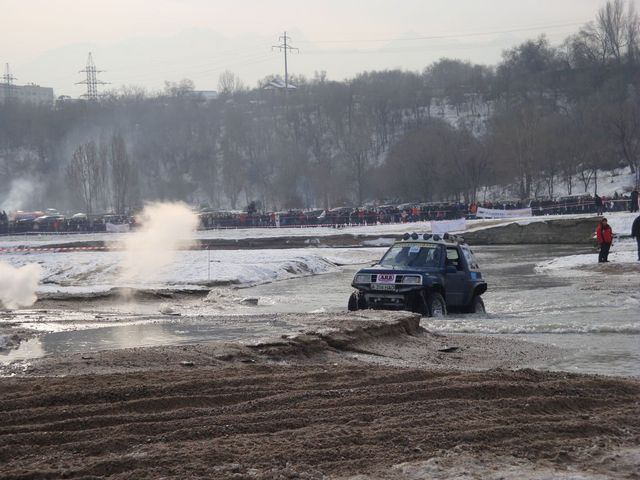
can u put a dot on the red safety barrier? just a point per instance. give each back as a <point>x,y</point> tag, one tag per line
<point>50,249</point>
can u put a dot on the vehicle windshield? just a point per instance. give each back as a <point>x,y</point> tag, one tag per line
<point>412,255</point>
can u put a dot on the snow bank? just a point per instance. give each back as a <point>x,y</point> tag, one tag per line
<point>98,272</point>
<point>622,252</point>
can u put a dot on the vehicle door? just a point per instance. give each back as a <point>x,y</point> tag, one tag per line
<point>455,282</point>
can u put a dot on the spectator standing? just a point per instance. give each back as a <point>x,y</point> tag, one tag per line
<point>633,207</point>
<point>635,232</point>
<point>604,234</point>
<point>598,201</point>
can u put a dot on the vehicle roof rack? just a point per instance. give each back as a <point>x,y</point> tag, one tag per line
<point>446,237</point>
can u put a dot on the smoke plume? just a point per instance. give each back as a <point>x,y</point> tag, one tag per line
<point>20,195</point>
<point>18,285</point>
<point>165,228</point>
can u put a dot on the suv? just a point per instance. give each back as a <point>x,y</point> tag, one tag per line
<point>428,274</point>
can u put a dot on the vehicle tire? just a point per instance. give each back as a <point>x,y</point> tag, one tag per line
<point>476,305</point>
<point>436,305</point>
<point>354,302</point>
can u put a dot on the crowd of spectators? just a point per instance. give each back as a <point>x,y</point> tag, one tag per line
<point>52,221</point>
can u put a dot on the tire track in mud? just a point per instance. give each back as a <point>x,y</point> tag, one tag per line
<point>300,421</point>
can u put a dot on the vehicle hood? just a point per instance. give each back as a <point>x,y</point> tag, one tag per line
<point>399,271</point>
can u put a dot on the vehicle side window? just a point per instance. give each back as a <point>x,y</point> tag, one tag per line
<point>471,259</point>
<point>453,258</point>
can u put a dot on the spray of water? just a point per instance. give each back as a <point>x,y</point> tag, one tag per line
<point>165,228</point>
<point>18,285</point>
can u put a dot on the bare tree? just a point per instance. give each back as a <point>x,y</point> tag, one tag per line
<point>121,179</point>
<point>84,176</point>
<point>229,83</point>
<point>612,38</point>
<point>179,89</point>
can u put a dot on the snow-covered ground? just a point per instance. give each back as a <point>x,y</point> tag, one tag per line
<point>620,222</point>
<point>623,252</point>
<point>80,272</point>
<point>95,272</point>
<point>239,233</point>
<point>610,182</point>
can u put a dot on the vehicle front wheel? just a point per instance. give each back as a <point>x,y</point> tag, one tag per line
<point>356,302</point>
<point>437,307</point>
<point>430,304</point>
<point>476,305</point>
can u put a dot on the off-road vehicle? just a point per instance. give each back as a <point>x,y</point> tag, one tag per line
<point>428,274</point>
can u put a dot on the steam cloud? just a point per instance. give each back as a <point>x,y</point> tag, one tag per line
<point>166,227</point>
<point>18,285</point>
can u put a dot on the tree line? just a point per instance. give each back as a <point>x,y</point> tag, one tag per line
<point>543,115</point>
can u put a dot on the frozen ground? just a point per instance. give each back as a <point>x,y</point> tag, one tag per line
<point>77,273</point>
<point>620,222</point>
<point>623,256</point>
<point>89,272</point>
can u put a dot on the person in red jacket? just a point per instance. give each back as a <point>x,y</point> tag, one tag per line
<point>604,233</point>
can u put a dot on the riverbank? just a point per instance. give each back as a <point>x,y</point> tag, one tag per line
<point>355,397</point>
<point>548,229</point>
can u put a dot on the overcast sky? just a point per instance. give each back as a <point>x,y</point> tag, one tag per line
<point>145,42</point>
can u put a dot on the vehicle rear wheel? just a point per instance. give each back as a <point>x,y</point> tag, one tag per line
<point>476,305</point>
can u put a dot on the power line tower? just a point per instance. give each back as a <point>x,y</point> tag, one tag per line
<point>7,81</point>
<point>285,48</point>
<point>91,81</point>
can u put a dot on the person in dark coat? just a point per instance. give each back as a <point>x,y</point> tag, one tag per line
<point>604,233</point>
<point>598,200</point>
<point>635,232</point>
<point>633,204</point>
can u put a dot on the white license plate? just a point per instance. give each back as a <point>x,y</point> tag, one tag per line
<point>386,278</point>
<point>384,286</point>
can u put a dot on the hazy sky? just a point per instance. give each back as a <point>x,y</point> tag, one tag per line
<point>145,42</point>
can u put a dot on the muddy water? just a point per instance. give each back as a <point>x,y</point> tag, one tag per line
<point>594,319</point>
<point>161,332</point>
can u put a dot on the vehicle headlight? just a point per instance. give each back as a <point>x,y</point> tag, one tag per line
<point>412,280</point>
<point>362,279</point>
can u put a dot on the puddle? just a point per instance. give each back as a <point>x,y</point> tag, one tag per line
<point>238,330</point>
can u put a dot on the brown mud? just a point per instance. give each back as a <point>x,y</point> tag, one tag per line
<point>349,398</point>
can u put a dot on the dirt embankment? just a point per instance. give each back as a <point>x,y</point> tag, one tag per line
<point>384,338</point>
<point>558,231</point>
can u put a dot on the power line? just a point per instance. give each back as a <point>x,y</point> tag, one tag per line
<point>245,59</point>
<point>231,53</point>
<point>445,36</point>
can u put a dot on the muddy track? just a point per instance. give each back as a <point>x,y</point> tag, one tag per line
<point>266,421</point>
